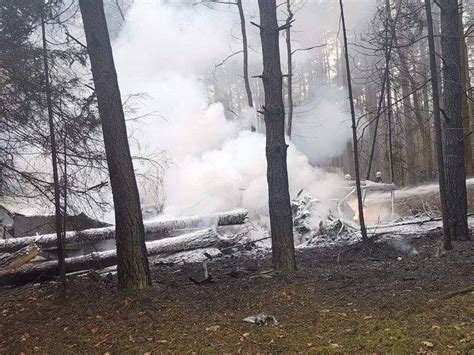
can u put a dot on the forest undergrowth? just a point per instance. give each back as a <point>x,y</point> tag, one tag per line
<point>340,299</point>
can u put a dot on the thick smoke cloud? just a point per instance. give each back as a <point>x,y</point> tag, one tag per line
<point>164,50</point>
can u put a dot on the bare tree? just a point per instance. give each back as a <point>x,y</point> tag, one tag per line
<point>281,222</point>
<point>388,23</point>
<point>54,160</point>
<point>133,269</point>
<point>245,52</point>
<point>354,130</point>
<point>245,47</point>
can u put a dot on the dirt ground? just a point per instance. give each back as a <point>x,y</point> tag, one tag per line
<point>340,300</point>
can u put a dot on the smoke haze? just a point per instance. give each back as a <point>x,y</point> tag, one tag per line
<point>165,51</point>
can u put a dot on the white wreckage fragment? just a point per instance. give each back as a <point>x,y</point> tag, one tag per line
<point>261,319</point>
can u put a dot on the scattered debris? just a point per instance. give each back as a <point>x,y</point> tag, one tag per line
<point>301,209</point>
<point>428,344</point>
<point>314,225</point>
<point>21,257</point>
<point>261,319</point>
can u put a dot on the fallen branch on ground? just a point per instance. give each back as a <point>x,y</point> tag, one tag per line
<point>460,292</point>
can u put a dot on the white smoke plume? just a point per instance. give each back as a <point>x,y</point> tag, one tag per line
<point>164,50</point>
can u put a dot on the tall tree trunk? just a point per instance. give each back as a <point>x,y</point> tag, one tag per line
<point>281,222</point>
<point>454,133</point>
<point>354,130</point>
<point>437,123</point>
<point>371,108</point>
<point>388,23</point>
<point>245,52</point>
<point>133,270</point>
<point>409,130</point>
<point>429,156</point>
<point>425,131</point>
<point>348,154</point>
<point>54,159</point>
<point>289,80</point>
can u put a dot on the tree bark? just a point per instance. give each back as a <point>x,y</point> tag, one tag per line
<point>54,160</point>
<point>456,196</point>
<point>438,128</point>
<point>281,222</point>
<point>465,87</point>
<point>133,270</point>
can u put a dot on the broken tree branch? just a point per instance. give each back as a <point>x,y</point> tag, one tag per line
<point>226,59</point>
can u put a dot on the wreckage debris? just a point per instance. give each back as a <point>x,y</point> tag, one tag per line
<point>15,270</point>
<point>47,270</point>
<point>152,228</point>
<point>330,227</point>
<point>261,319</point>
<point>19,258</point>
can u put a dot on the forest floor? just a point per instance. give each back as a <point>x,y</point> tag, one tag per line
<point>340,300</point>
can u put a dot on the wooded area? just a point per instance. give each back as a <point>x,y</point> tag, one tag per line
<point>241,140</point>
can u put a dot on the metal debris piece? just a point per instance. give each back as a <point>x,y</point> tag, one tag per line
<point>261,319</point>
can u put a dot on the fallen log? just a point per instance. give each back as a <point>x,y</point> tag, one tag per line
<point>151,228</point>
<point>20,257</point>
<point>48,270</point>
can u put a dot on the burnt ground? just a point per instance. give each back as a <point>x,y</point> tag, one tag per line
<point>340,300</point>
